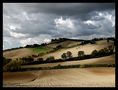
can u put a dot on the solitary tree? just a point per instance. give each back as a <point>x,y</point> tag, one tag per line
<point>94,53</point>
<point>64,56</point>
<point>80,53</point>
<point>69,54</point>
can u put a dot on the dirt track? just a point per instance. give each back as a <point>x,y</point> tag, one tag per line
<point>77,77</point>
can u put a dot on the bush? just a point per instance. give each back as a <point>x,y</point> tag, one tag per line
<point>40,54</point>
<point>34,56</point>
<point>92,42</point>
<point>51,58</point>
<point>40,59</point>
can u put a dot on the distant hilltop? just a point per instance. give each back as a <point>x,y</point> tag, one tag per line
<point>58,40</point>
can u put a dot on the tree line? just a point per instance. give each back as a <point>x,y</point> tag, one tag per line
<point>14,65</point>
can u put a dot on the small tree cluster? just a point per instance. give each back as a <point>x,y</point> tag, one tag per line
<point>88,41</point>
<point>58,47</point>
<point>12,66</point>
<point>103,52</point>
<point>66,55</point>
<point>6,61</point>
<point>27,59</point>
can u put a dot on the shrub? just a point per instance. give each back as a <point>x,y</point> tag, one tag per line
<point>34,56</point>
<point>40,59</point>
<point>40,54</point>
<point>92,42</point>
<point>51,58</point>
<point>59,46</point>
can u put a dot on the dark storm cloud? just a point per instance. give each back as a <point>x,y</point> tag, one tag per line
<point>34,22</point>
<point>66,8</point>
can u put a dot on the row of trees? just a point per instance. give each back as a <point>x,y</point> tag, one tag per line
<point>11,65</point>
<point>103,52</point>
<point>68,55</point>
<point>87,41</point>
<point>65,56</point>
<point>95,53</point>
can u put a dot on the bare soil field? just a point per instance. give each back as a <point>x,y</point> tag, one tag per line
<point>17,77</point>
<point>18,53</point>
<point>103,60</point>
<point>76,77</point>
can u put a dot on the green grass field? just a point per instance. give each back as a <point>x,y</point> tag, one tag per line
<point>40,49</point>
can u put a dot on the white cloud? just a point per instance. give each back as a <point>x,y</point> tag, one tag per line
<point>107,16</point>
<point>17,35</point>
<point>47,40</point>
<point>61,23</point>
<point>89,22</point>
<point>43,38</point>
<point>26,41</point>
<point>12,27</point>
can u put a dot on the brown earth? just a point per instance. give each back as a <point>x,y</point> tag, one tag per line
<point>76,77</point>
<point>18,53</point>
<point>18,77</point>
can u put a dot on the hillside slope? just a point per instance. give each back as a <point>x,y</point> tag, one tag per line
<point>72,46</point>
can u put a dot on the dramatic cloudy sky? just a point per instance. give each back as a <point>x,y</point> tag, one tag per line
<point>29,23</point>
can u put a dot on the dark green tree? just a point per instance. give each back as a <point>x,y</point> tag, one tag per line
<point>64,56</point>
<point>94,53</point>
<point>80,53</point>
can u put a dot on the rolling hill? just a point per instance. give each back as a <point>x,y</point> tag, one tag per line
<point>71,77</point>
<point>73,46</point>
